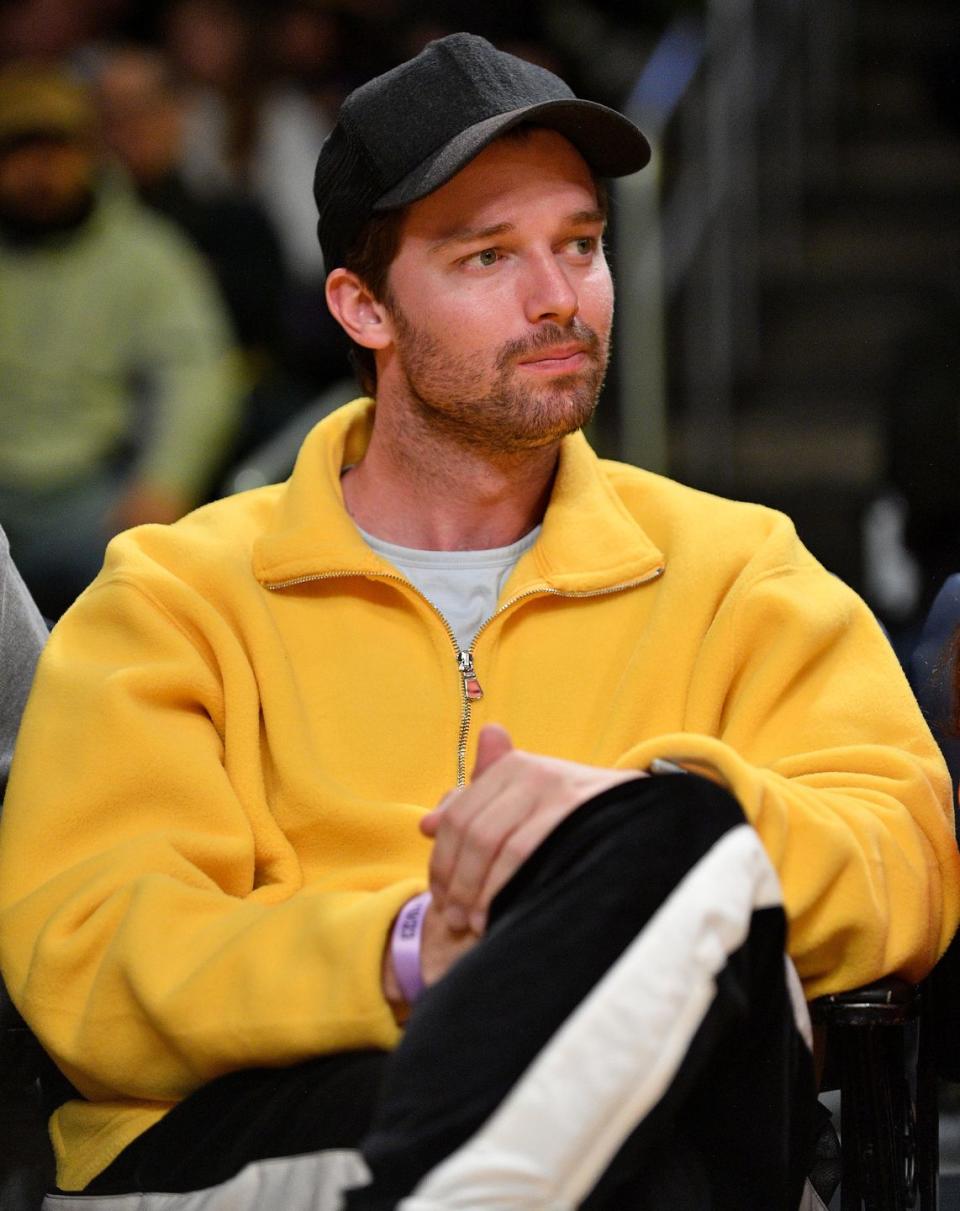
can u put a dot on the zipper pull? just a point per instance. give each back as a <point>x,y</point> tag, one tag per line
<point>471,685</point>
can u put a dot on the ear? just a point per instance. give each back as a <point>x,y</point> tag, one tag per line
<point>362,317</point>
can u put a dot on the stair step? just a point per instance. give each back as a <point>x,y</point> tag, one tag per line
<point>809,454</point>
<point>890,29</point>
<point>925,167</point>
<point>822,339</point>
<point>892,93</point>
<point>854,241</point>
<point>795,449</point>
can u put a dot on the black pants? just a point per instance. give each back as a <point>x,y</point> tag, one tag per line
<point>624,1035</point>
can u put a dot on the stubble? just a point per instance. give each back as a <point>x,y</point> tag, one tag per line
<point>492,410</point>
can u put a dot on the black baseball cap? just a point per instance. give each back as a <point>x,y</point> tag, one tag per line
<point>403,134</point>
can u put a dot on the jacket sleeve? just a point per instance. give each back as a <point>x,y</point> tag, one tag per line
<point>801,708</point>
<point>154,926</point>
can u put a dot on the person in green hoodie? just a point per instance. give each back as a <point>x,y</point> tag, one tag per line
<point>118,389</point>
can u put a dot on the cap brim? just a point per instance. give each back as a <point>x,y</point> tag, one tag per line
<point>609,142</point>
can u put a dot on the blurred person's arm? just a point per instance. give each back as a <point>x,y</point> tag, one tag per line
<point>186,353</point>
<point>22,635</point>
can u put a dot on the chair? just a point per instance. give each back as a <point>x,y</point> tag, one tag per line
<point>881,1056</point>
<point>26,1158</point>
<point>889,1043</point>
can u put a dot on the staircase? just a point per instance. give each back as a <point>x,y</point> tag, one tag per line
<point>878,263</point>
<point>845,318</point>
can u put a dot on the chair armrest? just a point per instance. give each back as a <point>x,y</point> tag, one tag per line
<point>888,1002</point>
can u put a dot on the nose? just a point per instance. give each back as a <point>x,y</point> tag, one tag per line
<point>550,293</point>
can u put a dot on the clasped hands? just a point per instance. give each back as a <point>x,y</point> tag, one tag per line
<point>484,831</point>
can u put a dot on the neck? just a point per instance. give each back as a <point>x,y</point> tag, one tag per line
<point>419,488</point>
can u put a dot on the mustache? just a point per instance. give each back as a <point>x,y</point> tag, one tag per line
<point>549,335</point>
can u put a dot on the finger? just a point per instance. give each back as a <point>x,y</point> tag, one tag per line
<point>493,743</point>
<point>446,828</point>
<point>508,860</point>
<point>429,823</point>
<point>453,825</point>
<point>489,831</point>
<point>440,946</point>
<point>459,808</point>
<point>458,816</point>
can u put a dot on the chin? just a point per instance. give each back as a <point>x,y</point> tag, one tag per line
<point>549,429</point>
<point>563,406</point>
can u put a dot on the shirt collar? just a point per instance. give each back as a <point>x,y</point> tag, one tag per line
<point>589,541</point>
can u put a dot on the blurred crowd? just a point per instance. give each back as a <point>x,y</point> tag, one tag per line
<point>161,286</point>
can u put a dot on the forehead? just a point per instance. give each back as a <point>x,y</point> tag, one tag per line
<point>535,175</point>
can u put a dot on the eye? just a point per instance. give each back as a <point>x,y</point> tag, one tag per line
<point>486,257</point>
<point>584,245</point>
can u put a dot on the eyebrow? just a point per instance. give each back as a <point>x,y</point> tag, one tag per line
<point>469,235</point>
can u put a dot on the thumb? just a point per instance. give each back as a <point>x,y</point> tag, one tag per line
<point>493,743</point>
<point>431,821</point>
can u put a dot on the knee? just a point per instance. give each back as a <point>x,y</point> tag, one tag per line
<point>682,811</point>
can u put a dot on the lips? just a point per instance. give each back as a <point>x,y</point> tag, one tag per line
<point>554,349</point>
<point>561,357</point>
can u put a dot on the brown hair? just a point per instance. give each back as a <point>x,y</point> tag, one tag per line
<point>370,257</point>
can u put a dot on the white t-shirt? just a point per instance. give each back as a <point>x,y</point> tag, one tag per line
<point>464,586</point>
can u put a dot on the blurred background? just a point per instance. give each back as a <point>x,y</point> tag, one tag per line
<point>788,269</point>
<point>788,285</point>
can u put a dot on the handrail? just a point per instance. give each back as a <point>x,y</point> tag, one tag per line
<point>714,97</point>
<point>666,75</point>
<point>641,287</point>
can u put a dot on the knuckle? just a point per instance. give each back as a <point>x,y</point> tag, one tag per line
<point>518,761</point>
<point>517,848</point>
<point>479,841</point>
<point>440,865</point>
<point>453,832</point>
<point>454,813</point>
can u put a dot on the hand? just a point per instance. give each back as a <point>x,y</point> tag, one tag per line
<point>484,832</point>
<point>141,503</point>
<point>440,947</point>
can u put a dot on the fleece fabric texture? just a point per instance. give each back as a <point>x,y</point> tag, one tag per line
<point>212,814</point>
<point>605,1046</point>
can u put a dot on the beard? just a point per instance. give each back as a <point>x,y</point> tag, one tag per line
<point>23,225</point>
<point>496,412</point>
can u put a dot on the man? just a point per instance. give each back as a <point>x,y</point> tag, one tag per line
<point>458,652</point>
<point>142,112</point>
<point>288,356</point>
<point>117,389</point>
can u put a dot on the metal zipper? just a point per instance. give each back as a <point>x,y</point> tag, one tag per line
<point>470,688</point>
<point>542,590</point>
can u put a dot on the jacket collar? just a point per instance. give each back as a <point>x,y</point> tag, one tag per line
<point>589,541</point>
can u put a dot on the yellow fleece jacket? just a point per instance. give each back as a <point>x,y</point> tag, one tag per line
<point>212,815</point>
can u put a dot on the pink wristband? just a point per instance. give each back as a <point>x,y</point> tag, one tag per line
<point>405,946</point>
